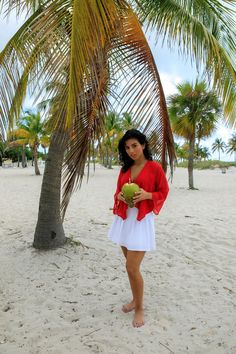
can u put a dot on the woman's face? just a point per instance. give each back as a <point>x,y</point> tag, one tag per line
<point>134,149</point>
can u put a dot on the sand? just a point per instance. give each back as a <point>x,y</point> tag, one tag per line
<point>69,300</point>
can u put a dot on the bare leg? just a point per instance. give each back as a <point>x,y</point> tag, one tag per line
<point>124,250</point>
<point>131,305</point>
<point>133,262</point>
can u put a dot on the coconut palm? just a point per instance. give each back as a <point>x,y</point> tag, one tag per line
<point>33,127</point>
<point>19,139</point>
<point>203,31</point>
<point>127,122</point>
<point>204,153</point>
<point>218,145</point>
<point>180,153</point>
<point>45,142</point>
<point>31,131</point>
<point>194,111</point>
<point>231,147</point>
<point>112,129</point>
<point>90,47</point>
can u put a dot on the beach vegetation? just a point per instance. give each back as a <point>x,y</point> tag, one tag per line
<point>115,127</point>
<point>31,131</point>
<point>86,50</point>
<point>194,112</point>
<point>231,146</point>
<point>218,145</point>
<point>208,164</point>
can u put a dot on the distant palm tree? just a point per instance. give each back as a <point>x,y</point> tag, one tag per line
<point>127,122</point>
<point>181,153</point>
<point>112,128</point>
<point>194,111</point>
<point>231,147</point>
<point>218,145</point>
<point>31,131</point>
<point>45,142</point>
<point>204,153</point>
<point>19,138</point>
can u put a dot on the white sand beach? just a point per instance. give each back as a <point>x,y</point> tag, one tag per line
<point>68,301</point>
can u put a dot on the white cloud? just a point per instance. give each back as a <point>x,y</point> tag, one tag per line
<point>169,82</point>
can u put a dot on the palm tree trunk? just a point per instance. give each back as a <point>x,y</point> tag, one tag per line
<point>107,157</point>
<point>18,159</point>
<point>49,231</point>
<point>197,148</point>
<point>110,162</point>
<point>190,163</point>
<point>219,154</point>
<point>23,161</point>
<point>36,167</point>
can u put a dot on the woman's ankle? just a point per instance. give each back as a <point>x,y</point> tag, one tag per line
<point>139,307</point>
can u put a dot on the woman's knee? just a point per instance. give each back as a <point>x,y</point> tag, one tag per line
<point>132,270</point>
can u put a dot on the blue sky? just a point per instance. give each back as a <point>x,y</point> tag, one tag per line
<point>173,69</point>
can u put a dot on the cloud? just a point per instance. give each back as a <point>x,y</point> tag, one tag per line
<point>169,82</point>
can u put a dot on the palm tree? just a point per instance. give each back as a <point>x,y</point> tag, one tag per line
<point>203,31</point>
<point>193,112</point>
<point>31,131</point>
<point>204,153</point>
<point>19,139</point>
<point>86,47</point>
<point>218,145</point>
<point>180,153</point>
<point>231,148</point>
<point>112,127</point>
<point>45,142</point>
<point>127,122</point>
<point>33,128</point>
<point>90,47</point>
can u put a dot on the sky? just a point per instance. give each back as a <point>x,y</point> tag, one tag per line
<point>173,69</point>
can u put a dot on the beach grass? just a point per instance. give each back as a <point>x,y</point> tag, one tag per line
<point>208,164</point>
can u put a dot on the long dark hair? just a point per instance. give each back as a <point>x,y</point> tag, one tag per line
<point>124,158</point>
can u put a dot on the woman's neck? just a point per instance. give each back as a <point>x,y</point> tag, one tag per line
<point>140,161</point>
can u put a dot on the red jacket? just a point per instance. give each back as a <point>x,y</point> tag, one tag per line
<point>152,179</point>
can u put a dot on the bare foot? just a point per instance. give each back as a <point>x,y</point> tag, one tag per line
<point>128,307</point>
<point>138,320</point>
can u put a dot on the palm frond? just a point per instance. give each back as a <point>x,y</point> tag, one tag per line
<point>81,44</point>
<point>143,94</point>
<point>205,32</point>
<point>88,126</point>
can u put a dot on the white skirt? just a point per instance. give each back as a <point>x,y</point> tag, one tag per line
<point>133,234</point>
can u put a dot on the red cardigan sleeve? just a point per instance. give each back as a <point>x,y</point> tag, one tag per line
<point>118,189</point>
<point>162,189</point>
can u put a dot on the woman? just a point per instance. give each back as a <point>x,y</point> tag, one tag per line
<point>133,228</point>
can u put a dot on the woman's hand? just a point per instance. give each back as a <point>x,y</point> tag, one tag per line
<point>141,195</point>
<point>120,196</point>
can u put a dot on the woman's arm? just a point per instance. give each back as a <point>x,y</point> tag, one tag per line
<point>118,190</point>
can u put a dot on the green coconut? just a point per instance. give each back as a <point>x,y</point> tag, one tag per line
<point>129,190</point>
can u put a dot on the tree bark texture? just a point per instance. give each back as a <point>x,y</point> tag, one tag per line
<point>49,231</point>
<point>190,162</point>
<point>36,167</point>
